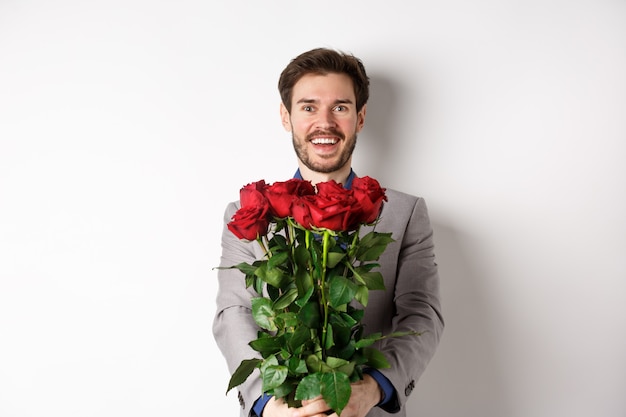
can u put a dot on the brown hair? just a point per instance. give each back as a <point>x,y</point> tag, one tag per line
<point>323,61</point>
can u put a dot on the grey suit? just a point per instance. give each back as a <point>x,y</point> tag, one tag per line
<point>410,301</point>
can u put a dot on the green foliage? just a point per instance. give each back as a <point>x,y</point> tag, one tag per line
<point>312,340</point>
<point>243,372</point>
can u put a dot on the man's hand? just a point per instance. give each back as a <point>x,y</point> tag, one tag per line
<point>365,395</point>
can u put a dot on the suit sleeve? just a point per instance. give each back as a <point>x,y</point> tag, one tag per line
<point>416,303</point>
<point>233,325</point>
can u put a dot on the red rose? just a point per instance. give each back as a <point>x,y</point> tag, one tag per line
<point>252,194</point>
<point>370,195</point>
<point>300,212</point>
<point>331,188</point>
<point>333,207</point>
<point>250,222</point>
<point>282,194</point>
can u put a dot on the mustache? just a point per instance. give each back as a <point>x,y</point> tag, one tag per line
<point>328,132</point>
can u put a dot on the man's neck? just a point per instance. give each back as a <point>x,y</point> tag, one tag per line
<point>340,176</point>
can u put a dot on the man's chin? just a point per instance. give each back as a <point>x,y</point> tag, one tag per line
<point>326,168</point>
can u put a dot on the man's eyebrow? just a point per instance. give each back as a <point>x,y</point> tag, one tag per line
<point>312,100</point>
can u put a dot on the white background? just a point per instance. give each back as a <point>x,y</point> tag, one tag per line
<point>127,125</point>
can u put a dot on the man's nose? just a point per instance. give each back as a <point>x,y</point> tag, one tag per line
<point>326,119</point>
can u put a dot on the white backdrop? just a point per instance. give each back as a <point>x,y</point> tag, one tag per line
<point>127,125</point>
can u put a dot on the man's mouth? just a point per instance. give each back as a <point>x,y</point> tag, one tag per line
<point>327,137</point>
<point>324,141</point>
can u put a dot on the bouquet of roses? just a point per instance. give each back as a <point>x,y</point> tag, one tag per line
<point>313,285</point>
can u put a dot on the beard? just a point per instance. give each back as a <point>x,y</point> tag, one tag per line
<point>301,152</point>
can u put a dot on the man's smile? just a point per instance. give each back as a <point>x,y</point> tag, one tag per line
<point>324,141</point>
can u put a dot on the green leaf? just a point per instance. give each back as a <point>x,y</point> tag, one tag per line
<point>286,320</point>
<point>304,283</point>
<point>340,365</point>
<point>375,358</point>
<point>299,338</point>
<point>374,280</point>
<point>263,313</point>
<point>267,345</point>
<point>342,330</point>
<point>286,299</point>
<point>335,363</point>
<point>334,258</point>
<point>273,376</point>
<point>316,365</point>
<point>405,333</point>
<point>306,296</point>
<point>283,389</point>
<point>356,313</point>
<point>336,390</point>
<point>309,387</point>
<point>258,285</point>
<point>373,245</point>
<point>297,366</point>
<point>374,337</point>
<point>273,293</point>
<point>309,314</point>
<point>302,256</point>
<point>245,268</point>
<point>342,291</point>
<point>277,259</point>
<point>362,295</point>
<point>330,340</point>
<point>278,242</point>
<point>275,277</point>
<point>271,360</point>
<point>348,352</point>
<point>368,341</point>
<point>246,367</point>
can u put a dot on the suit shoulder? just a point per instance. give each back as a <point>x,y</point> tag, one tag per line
<point>401,198</point>
<point>404,206</point>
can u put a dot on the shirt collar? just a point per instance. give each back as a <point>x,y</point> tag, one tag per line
<point>347,185</point>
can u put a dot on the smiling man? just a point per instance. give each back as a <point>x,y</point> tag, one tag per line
<point>324,121</point>
<point>324,96</point>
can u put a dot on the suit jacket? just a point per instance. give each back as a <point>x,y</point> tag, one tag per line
<point>410,302</point>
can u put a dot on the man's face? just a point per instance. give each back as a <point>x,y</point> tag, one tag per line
<point>323,121</point>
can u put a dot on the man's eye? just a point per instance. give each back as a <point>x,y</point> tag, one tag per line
<point>341,108</point>
<point>307,108</point>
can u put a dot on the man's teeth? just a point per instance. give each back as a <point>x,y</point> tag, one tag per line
<point>324,141</point>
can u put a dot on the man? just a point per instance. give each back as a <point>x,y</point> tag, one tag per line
<point>324,95</point>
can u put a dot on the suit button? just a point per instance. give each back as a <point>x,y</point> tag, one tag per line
<point>409,388</point>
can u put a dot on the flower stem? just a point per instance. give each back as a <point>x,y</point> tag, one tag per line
<point>354,244</point>
<point>261,242</point>
<point>326,238</point>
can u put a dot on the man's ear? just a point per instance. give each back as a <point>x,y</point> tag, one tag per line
<point>284,117</point>
<point>360,122</point>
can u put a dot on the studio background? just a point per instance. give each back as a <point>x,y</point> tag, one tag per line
<point>127,126</point>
